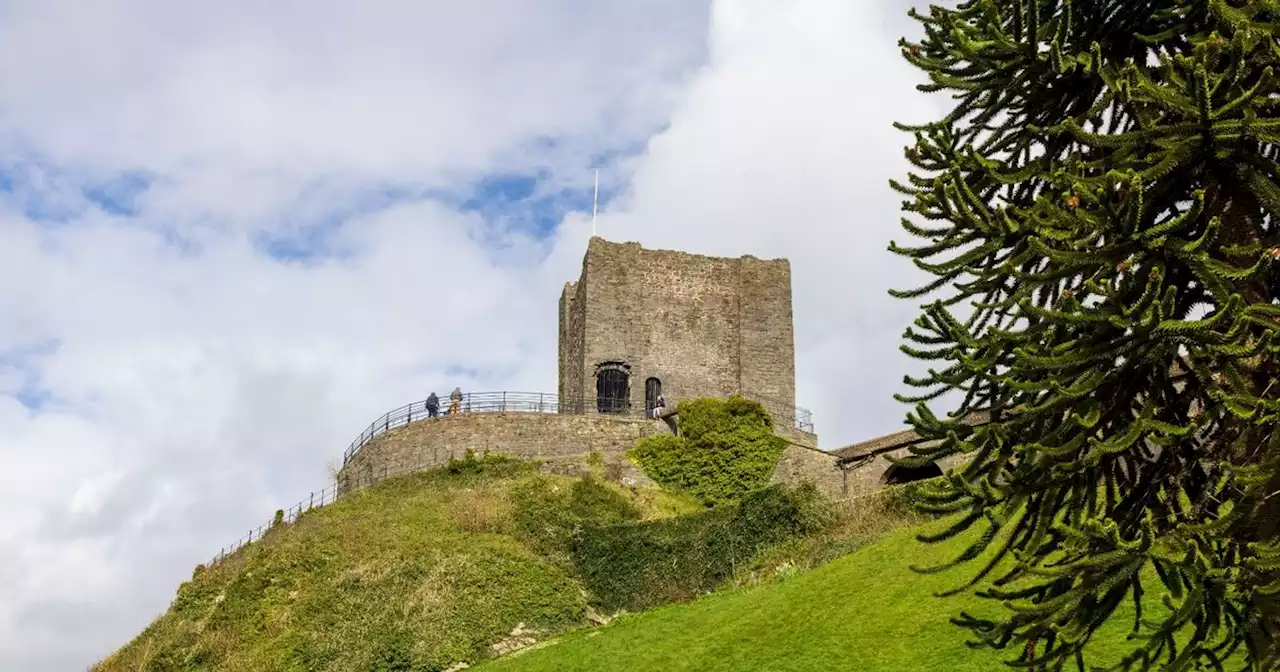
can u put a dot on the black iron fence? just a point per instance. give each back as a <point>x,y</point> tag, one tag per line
<point>329,495</point>
<point>538,402</point>
<point>474,402</point>
<point>314,500</point>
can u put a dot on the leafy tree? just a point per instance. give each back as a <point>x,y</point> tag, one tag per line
<point>1099,210</point>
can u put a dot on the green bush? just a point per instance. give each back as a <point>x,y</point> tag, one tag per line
<point>549,517</point>
<point>493,465</point>
<point>726,449</point>
<point>594,502</point>
<point>636,566</point>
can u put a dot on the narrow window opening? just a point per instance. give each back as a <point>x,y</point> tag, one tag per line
<point>652,390</point>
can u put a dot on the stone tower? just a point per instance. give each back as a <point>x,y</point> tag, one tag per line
<point>642,322</point>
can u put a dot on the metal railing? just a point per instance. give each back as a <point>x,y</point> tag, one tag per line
<point>537,402</point>
<point>315,500</point>
<point>474,402</point>
<point>328,495</point>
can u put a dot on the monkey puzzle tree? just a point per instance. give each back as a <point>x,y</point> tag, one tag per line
<point>1099,210</point>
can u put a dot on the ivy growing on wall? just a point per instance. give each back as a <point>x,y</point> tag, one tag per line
<point>726,450</point>
<point>641,565</point>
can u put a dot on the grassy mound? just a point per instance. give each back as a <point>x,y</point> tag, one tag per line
<point>863,611</point>
<point>415,573</point>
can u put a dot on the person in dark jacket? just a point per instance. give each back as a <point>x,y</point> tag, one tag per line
<point>433,405</point>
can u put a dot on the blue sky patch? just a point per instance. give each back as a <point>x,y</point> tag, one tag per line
<point>119,195</point>
<point>524,202</point>
<point>312,238</point>
<point>51,194</point>
<point>24,361</point>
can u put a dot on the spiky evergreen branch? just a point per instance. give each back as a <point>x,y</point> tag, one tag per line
<point>1103,198</point>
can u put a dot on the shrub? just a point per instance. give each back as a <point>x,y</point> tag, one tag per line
<point>594,502</point>
<point>492,465</point>
<point>640,565</point>
<point>549,517</point>
<point>726,449</point>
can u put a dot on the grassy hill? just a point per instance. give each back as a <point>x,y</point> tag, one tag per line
<point>864,611</point>
<point>487,557</point>
<point>464,563</point>
<point>414,573</point>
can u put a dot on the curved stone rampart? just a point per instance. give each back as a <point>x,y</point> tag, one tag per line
<point>561,441</point>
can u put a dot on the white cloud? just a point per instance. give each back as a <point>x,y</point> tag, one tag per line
<point>193,388</point>
<point>783,146</point>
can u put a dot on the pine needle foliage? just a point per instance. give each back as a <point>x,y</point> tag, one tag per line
<point>1099,209</point>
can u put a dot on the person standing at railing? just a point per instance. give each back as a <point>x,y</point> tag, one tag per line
<point>659,405</point>
<point>433,405</point>
<point>455,401</point>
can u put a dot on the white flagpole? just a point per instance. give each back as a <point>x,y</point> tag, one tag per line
<point>595,200</point>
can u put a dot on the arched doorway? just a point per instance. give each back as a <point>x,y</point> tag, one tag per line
<point>652,390</point>
<point>613,388</point>
<point>897,474</point>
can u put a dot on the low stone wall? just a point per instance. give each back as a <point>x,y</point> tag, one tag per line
<point>797,437</point>
<point>801,463</point>
<point>853,479</point>
<point>561,441</point>
<point>867,475</point>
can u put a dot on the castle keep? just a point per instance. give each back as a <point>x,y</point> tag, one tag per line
<point>636,324</point>
<point>639,323</point>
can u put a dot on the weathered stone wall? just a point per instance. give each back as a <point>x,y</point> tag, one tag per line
<point>800,463</point>
<point>572,339</point>
<point>796,436</point>
<point>767,338</point>
<point>868,475</point>
<point>704,326</point>
<point>561,441</point>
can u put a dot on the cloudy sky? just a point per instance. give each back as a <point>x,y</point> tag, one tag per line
<point>233,233</point>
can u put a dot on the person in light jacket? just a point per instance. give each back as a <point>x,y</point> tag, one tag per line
<point>455,401</point>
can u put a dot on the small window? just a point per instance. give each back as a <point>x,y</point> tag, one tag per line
<point>652,390</point>
<point>613,383</point>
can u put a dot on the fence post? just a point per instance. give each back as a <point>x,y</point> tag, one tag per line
<point>504,401</point>
<point>410,414</point>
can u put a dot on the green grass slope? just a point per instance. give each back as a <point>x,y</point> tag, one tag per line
<point>864,611</point>
<point>414,573</point>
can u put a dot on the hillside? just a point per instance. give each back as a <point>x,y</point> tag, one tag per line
<point>487,557</point>
<point>864,611</point>
<point>413,573</point>
<point>467,562</point>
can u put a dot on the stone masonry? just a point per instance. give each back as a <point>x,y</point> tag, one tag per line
<point>562,442</point>
<point>702,326</point>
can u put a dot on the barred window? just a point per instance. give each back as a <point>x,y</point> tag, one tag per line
<point>612,388</point>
